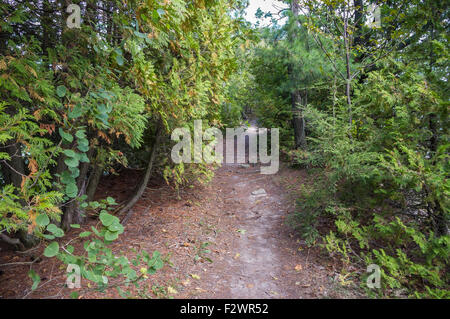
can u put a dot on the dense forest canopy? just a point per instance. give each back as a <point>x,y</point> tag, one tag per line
<point>363,105</point>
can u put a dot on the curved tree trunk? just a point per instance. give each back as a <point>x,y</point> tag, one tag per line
<point>145,179</point>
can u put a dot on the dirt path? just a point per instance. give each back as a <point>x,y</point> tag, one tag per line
<point>256,267</point>
<point>250,197</point>
<point>265,259</point>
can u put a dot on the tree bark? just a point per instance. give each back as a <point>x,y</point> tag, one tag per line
<point>298,122</point>
<point>148,172</point>
<point>12,241</point>
<point>94,179</point>
<point>348,87</point>
<point>16,166</point>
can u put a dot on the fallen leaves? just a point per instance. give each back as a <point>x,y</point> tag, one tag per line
<point>195,276</point>
<point>171,290</point>
<point>186,282</point>
<point>298,267</point>
<point>200,289</point>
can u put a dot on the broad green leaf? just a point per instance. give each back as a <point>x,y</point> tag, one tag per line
<point>74,171</point>
<point>71,190</point>
<point>74,295</point>
<point>109,235</point>
<point>83,148</point>
<point>75,113</point>
<point>71,162</point>
<point>69,153</point>
<point>61,90</point>
<point>42,220</point>
<point>110,201</point>
<point>67,178</point>
<point>51,250</point>
<point>65,136</point>
<point>106,219</point>
<point>119,60</point>
<point>84,158</point>
<point>55,230</point>
<point>80,134</point>
<point>116,227</point>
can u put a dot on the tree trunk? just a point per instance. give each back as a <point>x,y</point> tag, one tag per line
<point>148,172</point>
<point>348,87</point>
<point>73,214</point>
<point>298,122</point>
<point>94,179</point>
<point>12,241</point>
<point>16,166</point>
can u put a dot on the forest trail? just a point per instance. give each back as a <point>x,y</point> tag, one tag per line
<point>255,270</point>
<point>266,259</point>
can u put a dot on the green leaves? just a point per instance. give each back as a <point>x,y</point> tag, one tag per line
<point>107,219</point>
<point>51,250</point>
<point>71,161</point>
<point>55,230</point>
<point>69,153</point>
<point>65,136</point>
<point>109,235</point>
<point>84,234</point>
<point>71,190</point>
<point>113,226</point>
<point>140,34</point>
<point>81,134</point>
<point>84,158</point>
<point>119,60</point>
<point>42,220</point>
<point>35,278</point>
<point>83,146</point>
<point>111,201</point>
<point>61,91</point>
<point>155,263</point>
<point>75,113</point>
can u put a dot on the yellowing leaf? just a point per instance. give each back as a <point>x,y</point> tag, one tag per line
<point>171,290</point>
